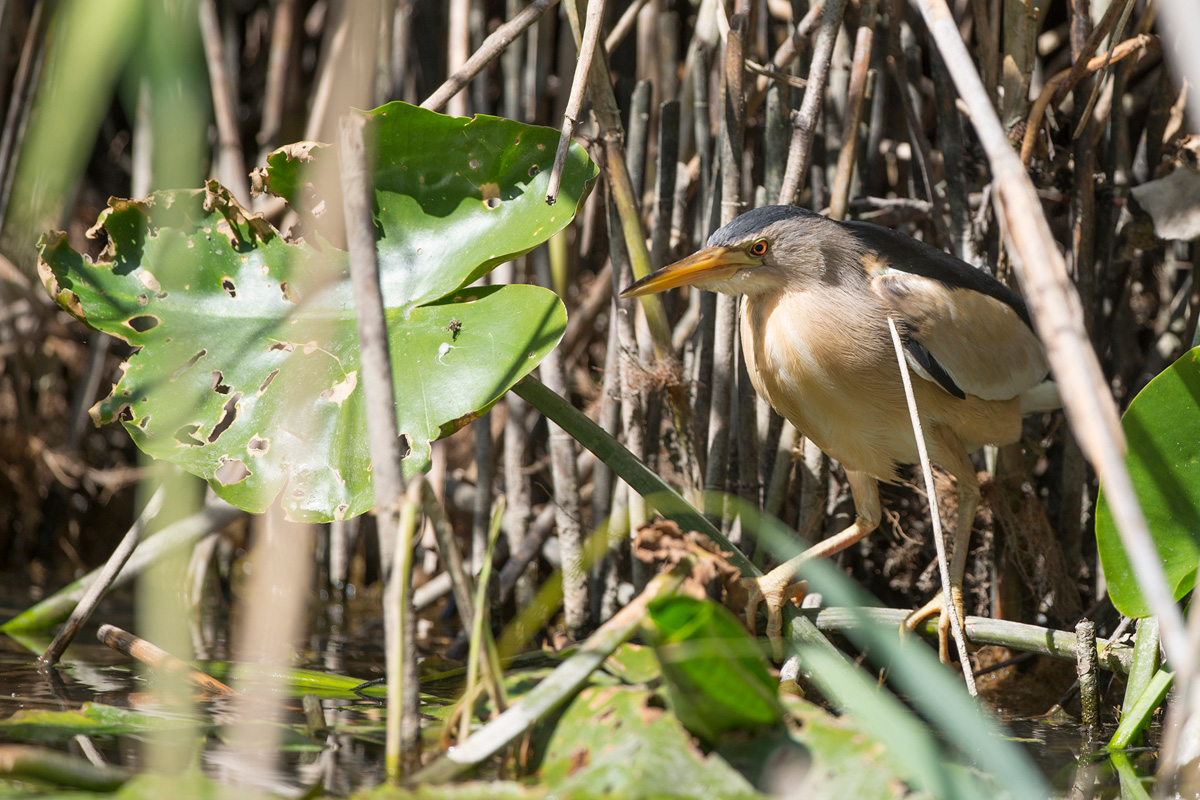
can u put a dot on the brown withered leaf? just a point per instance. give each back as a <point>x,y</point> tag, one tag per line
<point>664,545</point>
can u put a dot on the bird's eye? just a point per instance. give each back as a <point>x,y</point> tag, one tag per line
<point>759,248</point>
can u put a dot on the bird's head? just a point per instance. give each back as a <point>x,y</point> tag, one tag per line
<point>764,250</point>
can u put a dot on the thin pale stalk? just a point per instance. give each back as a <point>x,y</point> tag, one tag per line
<point>632,397</point>
<point>604,573</point>
<point>402,753</point>
<point>458,49</point>
<point>781,469</point>
<point>485,472</point>
<point>939,541</point>
<point>720,411</point>
<point>624,25</point>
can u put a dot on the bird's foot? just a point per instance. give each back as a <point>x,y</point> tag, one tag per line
<point>937,605</point>
<point>772,589</point>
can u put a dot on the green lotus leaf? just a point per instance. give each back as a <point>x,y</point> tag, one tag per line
<point>246,365</point>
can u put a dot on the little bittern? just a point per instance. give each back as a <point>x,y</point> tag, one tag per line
<point>816,297</point>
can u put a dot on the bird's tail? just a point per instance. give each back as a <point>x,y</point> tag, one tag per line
<point>1043,397</point>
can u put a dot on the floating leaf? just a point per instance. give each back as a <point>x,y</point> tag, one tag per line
<point>247,369</point>
<point>1162,428</point>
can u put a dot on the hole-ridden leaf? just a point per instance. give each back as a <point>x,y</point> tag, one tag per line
<point>246,366</point>
<point>1162,429</point>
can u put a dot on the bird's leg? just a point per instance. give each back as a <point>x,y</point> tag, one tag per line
<point>770,588</point>
<point>968,501</point>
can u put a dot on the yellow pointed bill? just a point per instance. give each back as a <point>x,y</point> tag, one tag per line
<point>710,264</point>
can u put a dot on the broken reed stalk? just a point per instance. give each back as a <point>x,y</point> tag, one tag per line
<point>159,660</point>
<point>380,406</point>
<point>587,52</point>
<point>491,48</point>
<point>1057,318</point>
<point>949,607</point>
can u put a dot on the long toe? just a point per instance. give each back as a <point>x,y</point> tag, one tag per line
<point>770,590</point>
